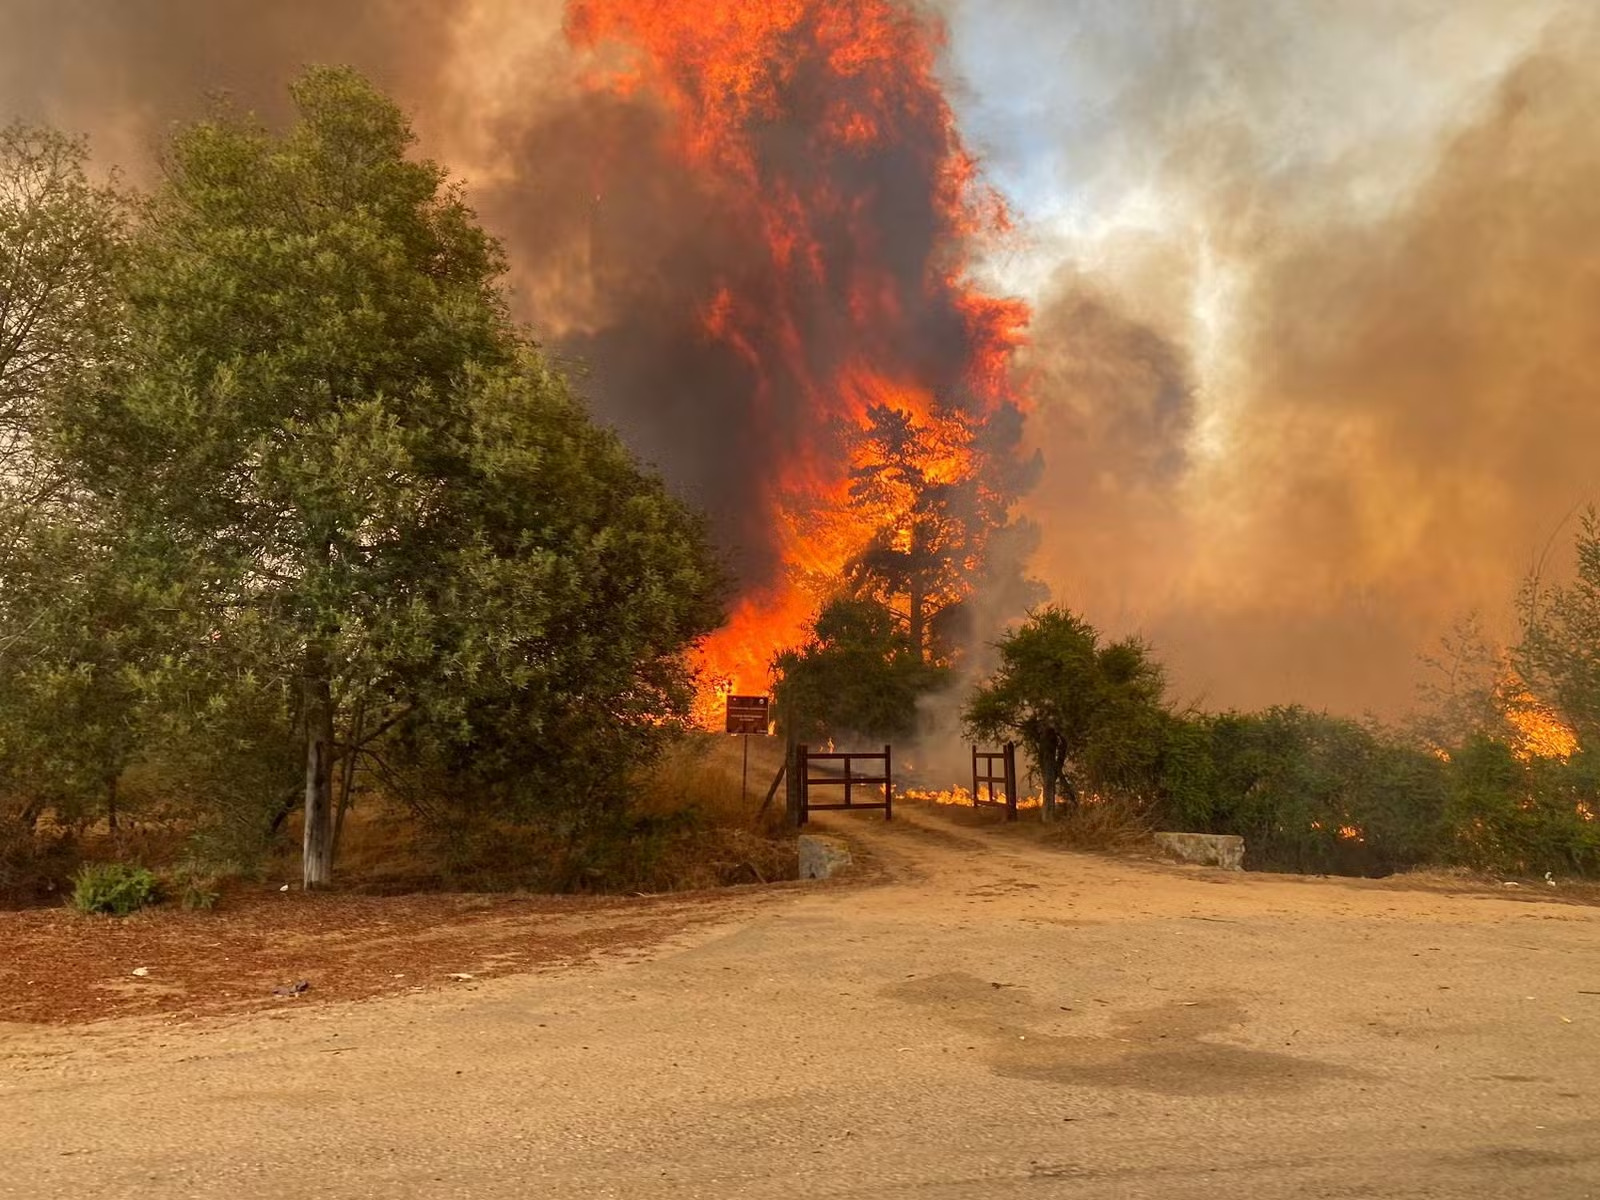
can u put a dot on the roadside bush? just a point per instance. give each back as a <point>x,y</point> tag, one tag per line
<point>1521,818</point>
<point>197,883</point>
<point>114,888</point>
<point>1307,791</point>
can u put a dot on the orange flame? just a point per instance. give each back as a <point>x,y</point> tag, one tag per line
<point>1535,729</point>
<point>823,127</point>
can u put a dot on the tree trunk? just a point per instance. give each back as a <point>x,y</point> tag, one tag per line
<point>111,803</point>
<point>347,778</point>
<point>1067,788</point>
<point>918,619</point>
<point>791,775</point>
<point>317,855</point>
<point>1048,758</point>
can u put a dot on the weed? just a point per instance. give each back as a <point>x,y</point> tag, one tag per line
<point>115,888</point>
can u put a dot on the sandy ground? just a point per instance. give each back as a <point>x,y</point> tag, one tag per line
<point>985,1019</point>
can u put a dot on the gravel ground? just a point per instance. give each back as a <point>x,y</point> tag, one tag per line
<point>987,1018</point>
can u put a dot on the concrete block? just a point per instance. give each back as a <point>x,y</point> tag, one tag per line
<point>821,858</point>
<point>1204,849</point>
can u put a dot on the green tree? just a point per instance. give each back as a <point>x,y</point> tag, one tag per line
<point>60,244</point>
<point>1086,712</point>
<point>1309,791</point>
<point>66,709</point>
<point>376,500</point>
<point>859,674</point>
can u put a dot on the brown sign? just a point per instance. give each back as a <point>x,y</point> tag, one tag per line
<point>748,714</point>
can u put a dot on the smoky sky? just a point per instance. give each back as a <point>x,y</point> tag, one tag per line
<point>123,70</point>
<point>1314,361</point>
<point>1312,416</point>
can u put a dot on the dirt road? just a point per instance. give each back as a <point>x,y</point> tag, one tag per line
<point>995,1020</point>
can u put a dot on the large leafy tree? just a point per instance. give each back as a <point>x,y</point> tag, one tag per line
<point>373,496</point>
<point>60,242</point>
<point>1084,710</point>
<point>65,705</point>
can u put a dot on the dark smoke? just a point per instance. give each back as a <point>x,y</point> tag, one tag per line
<point>623,249</point>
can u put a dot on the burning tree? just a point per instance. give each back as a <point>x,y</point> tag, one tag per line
<point>915,485</point>
<point>936,495</point>
<point>814,288</point>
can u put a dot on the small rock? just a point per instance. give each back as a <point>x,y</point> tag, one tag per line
<point>462,975</point>
<point>292,989</point>
<point>821,857</point>
<point>1204,849</point>
<point>284,888</point>
<point>141,972</point>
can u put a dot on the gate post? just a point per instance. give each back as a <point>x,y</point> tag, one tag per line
<point>793,814</point>
<point>974,776</point>
<point>798,783</point>
<point>888,787</point>
<point>1011,780</point>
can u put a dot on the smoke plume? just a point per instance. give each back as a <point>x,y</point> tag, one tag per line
<point>1313,366</point>
<point>1327,409</point>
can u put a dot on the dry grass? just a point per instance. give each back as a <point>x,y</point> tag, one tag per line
<point>1109,826</point>
<point>691,827</point>
<point>705,775</point>
<point>1106,826</point>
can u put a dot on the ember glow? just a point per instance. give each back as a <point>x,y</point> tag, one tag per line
<point>822,133</point>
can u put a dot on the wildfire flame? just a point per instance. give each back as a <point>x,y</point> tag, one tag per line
<point>824,131</point>
<point>1535,729</point>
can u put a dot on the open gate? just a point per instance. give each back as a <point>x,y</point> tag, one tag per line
<point>879,775</point>
<point>983,773</point>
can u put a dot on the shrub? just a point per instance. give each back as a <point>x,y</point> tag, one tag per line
<point>1518,818</point>
<point>1107,824</point>
<point>114,888</point>
<point>197,882</point>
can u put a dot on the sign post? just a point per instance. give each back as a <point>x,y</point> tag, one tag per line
<point>747,715</point>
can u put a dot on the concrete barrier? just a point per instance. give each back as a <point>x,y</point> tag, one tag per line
<point>1204,849</point>
<point>822,858</point>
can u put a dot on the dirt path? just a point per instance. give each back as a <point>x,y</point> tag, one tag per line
<point>994,1020</point>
